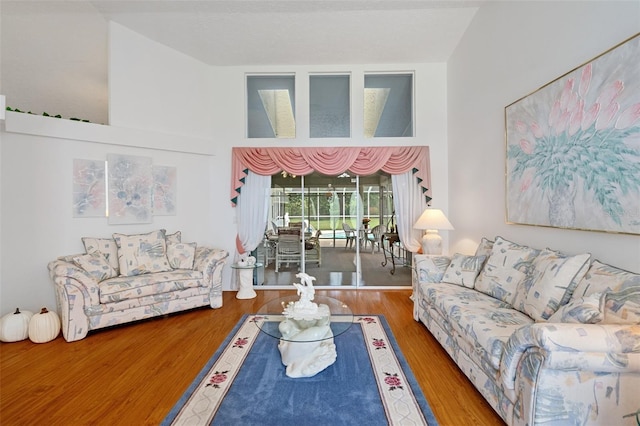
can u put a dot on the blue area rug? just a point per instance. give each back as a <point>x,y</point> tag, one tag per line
<point>244,383</point>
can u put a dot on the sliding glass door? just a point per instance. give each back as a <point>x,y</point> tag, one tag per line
<point>340,220</point>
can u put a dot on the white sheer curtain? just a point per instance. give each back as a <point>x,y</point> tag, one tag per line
<point>251,215</point>
<point>408,203</point>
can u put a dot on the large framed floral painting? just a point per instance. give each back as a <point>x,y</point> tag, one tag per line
<point>130,183</point>
<point>164,190</point>
<point>573,147</point>
<point>89,198</point>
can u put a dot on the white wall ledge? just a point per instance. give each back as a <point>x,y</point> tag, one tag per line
<point>38,125</point>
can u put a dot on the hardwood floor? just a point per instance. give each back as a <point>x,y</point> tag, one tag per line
<point>134,374</point>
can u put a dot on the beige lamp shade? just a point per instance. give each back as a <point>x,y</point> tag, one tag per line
<point>432,220</point>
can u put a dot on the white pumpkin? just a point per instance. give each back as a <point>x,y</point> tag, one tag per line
<point>15,326</point>
<point>44,326</point>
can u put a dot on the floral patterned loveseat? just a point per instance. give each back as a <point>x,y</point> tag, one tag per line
<point>545,337</point>
<point>131,277</point>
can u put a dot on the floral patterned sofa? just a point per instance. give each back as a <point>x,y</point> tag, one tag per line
<point>545,337</point>
<point>131,277</point>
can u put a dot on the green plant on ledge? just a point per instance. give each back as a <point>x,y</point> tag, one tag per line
<point>47,115</point>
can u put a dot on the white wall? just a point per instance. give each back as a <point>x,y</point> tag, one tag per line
<point>61,35</point>
<point>37,223</point>
<point>430,113</point>
<point>503,55</point>
<point>164,99</point>
<point>154,87</point>
<point>195,121</point>
<point>510,50</point>
<point>228,120</point>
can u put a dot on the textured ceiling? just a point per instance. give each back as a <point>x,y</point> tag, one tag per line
<point>299,32</point>
<point>54,53</point>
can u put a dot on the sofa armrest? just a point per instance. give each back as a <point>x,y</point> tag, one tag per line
<point>65,273</point>
<point>210,262</point>
<point>589,347</point>
<point>75,290</point>
<point>426,269</point>
<point>208,257</point>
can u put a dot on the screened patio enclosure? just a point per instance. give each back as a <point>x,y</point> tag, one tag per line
<point>330,201</point>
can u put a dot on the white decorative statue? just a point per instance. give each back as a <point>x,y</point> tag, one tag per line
<point>306,293</point>
<point>307,344</point>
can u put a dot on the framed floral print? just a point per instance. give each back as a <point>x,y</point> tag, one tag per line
<point>573,147</point>
<point>130,183</point>
<point>164,190</point>
<point>89,198</point>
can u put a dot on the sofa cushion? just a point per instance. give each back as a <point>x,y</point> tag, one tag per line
<point>489,328</point>
<point>124,288</point>
<point>142,253</point>
<point>181,255</point>
<point>484,248</point>
<point>603,278</point>
<point>106,246</point>
<point>581,310</point>
<point>96,265</point>
<point>485,322</point>
<point>508,265</point>
<point>463,270</point>
<point>622,307</point>
<point>553,280</point>
<point>437,293</point>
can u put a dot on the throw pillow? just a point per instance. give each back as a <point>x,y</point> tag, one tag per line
<point>430,269</point>
<point>96,265</point>
<point>142,253</point>
<point>583,310</point>
<point>463,270</point>
<point>174,238</point>
<point>603,278</point>
<point>508,265</point>
<point>622,307</point>
<point>554,276</point>
<point>484,248</point>
<point>181,255</point>
<point>106,246</point>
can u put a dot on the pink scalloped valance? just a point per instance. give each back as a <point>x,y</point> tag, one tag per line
<point>331,161</point>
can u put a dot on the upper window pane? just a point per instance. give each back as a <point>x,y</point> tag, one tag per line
<point>271,106</point>
<point>388,105</point>
<point>329,106</point>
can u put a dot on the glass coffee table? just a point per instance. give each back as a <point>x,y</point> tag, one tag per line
<point>306,335</point>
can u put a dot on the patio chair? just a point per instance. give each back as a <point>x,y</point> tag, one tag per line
<point>270,242</point>
<point>375,236</point>
<point>349,234</point>
<point>313,251</point>
<point>288,248</point>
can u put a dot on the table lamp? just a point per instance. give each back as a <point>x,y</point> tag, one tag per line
<point>431,220</point>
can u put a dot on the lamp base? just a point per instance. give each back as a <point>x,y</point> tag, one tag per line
<point>432,243</point>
